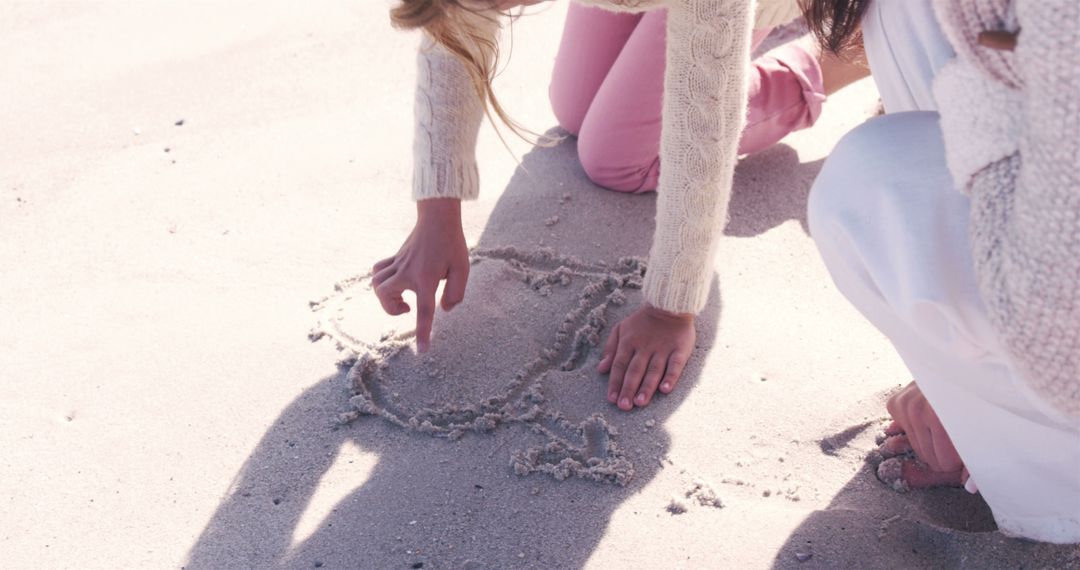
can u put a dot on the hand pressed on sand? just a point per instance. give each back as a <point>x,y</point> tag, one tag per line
<point>646,351</point>
<point>435,250</point>
<point>916,428</point>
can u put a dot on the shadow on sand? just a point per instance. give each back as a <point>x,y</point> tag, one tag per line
<point>426,502</point>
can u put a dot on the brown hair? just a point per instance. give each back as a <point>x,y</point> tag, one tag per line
<point>835,23</point>
<point>461,31</point>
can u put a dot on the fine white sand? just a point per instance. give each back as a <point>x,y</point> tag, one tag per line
<point>183,185</point>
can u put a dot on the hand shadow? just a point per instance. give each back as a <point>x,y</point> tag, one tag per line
<point>373,494</point>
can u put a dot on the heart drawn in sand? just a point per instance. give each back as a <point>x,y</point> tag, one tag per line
<point>442,394</point>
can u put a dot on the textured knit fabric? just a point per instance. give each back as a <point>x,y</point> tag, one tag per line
<point>1017,113</point>
<point>448,113</point>
<point>607,89</point>
<point>708,48</point>
<point>905,49</point>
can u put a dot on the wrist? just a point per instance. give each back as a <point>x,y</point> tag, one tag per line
<point>439,211</point>
<point>666,315</point>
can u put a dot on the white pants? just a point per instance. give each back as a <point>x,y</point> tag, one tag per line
<point>893,232</point>
<point>905,49</point>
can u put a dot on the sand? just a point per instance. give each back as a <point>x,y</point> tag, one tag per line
<point>163,406</point>
<point>583,448</point>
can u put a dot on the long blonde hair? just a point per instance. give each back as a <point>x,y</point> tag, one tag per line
<point>467,35</point>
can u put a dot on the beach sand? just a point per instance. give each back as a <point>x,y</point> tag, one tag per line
<point>197,375</point>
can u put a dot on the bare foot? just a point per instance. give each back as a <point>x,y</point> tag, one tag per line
<point>903,471</point>
<point>906,473</point>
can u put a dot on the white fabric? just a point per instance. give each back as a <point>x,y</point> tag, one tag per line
<point>1025,214</point>
<point>905,49</point>
<point>893,233</point>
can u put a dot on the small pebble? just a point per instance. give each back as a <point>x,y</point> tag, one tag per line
<point>803,556</point>
<point>521,555</point>
<point>676,507</point>
<point>179,123</point>
<point>418,565</point>
<point>318,563</point>
<point>650,423</point>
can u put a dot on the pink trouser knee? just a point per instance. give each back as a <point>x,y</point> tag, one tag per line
<point>608,87</point>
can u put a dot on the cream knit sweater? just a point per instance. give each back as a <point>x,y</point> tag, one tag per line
<point>708,46</point>
<point>1011,122</point>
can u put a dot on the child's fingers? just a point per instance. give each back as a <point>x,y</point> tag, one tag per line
<point>894,429</point>
<point>652,379</point>
<point>604,366</point>
<point>382,275</point>
<point>454,292</point>
<point>675,365</point>
<point>389,294</point>
<point>619,361</point>
<point>609,354</point>
<point>632,380</point>
<point>383,264</point>
<point>425,316</point>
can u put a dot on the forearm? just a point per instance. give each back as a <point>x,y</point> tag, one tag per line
<point>448,113</point>
<point>708,45</point>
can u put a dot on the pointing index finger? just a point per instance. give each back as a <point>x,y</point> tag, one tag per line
<point>425,315</point>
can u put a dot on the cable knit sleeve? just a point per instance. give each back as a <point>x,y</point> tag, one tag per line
<point>1027,236</point>
<point>708,47</point>
<point>448,114</point>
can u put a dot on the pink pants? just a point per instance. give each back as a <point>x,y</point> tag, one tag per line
<point>608,86</point>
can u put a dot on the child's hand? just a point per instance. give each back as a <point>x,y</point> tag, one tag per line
<point>435,250</point>
<point>646,350</point>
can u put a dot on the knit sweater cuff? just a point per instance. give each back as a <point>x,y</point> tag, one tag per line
<point>448,179</point>
<point>677,289</point>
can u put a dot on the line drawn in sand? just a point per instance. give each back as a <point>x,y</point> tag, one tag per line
<point>587,450</point>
